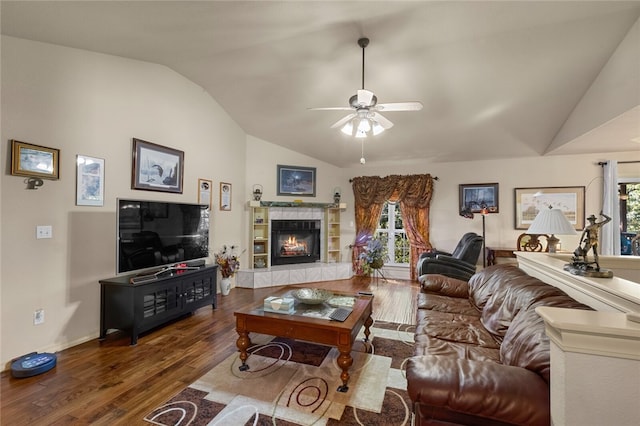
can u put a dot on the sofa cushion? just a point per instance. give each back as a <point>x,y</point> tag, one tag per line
<point>443,285</point>
<point>526,344</point>
<point>491,280</point>
<point>427,345</point>
<point>453,327</point>
<point>436,302</point>
<point>520,292</point>
<point>484,390</point>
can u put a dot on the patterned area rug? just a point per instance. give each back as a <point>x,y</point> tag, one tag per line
<point>294,383</point>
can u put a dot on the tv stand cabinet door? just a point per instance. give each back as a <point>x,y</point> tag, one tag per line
<point>199,289</point>
<point>156,304</point>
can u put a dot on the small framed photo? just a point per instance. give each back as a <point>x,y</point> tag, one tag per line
<point>569,199</point>
<point>34,160</point>
<point>89,181</point>
<point>478,198</point>
<point>204,191</point>
<point>156,167</point>
<point>295,180</point>
<point>225,196</point>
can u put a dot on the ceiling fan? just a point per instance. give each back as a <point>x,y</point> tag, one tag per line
<point>366,117</point>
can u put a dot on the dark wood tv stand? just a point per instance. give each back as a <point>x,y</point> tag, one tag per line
<point>139,307</point>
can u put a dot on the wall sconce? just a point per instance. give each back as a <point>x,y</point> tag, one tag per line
<point>257,192</point>
<point>34,183</point>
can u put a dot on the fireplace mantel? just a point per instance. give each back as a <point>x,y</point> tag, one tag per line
<point>297,204</point>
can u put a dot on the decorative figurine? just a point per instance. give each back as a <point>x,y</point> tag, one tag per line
<point>580,264</point>
<point>257,192</point>
<point>336,195</point>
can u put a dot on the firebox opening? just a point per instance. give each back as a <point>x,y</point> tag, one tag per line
<point>295,241</point>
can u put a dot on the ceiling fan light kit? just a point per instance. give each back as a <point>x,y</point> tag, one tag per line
<point>365,118</point>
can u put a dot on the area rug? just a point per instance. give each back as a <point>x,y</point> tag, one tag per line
<point>295,383</point>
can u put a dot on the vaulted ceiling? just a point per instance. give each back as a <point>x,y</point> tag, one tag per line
<point>497,79</point>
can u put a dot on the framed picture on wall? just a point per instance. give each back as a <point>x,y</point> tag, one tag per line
<point>529,201</point>
<point>204,192</point>
<point>225,196</point>
<point>156,167</point>
<point>89,181</point>
<point>34,160</point>
<point>296,180</point>
<point>476,197</point>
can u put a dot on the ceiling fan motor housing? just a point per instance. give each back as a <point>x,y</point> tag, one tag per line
<point>353,101</point>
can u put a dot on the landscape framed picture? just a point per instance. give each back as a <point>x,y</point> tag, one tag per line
<point>476,197</point>
<point>89,181</point>
<point>34,160</point>
<point>529,201</point>
<point>296,180</point>
<point>156,167</point>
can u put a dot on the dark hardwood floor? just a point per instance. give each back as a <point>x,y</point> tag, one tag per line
<point>111,383</point>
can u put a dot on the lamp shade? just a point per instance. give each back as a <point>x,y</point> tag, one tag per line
<point>551,221</point>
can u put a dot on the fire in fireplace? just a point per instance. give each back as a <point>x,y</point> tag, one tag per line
<point>295,241</point>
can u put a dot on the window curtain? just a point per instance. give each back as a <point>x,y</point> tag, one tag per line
<point>610,233</point>
<point>413,192</point>
<point>370,193</point>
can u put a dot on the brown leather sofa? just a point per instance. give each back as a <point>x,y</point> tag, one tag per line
<point>481,352</point>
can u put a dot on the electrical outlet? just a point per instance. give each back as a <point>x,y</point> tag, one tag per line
<point>44,231</point>
<point>38,317</point>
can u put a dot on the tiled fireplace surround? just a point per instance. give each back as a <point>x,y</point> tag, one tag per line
<point>298,273</point>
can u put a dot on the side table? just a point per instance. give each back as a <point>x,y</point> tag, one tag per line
<point>495,252</point>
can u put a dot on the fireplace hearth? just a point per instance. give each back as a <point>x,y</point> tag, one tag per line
<point>295,241</point>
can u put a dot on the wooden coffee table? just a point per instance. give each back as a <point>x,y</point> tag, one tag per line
<point>312,329</point>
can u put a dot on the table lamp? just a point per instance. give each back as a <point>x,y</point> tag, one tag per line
<point>551,221</point>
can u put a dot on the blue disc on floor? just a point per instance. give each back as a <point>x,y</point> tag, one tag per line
<point>32,364</point>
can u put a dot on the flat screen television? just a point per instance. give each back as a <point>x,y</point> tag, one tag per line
<point>154,234</point>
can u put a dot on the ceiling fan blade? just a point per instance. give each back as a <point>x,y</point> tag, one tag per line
<point>400,106</point>
<point>364,97</point>
<point>384,122</point>
<point>331,109</point>
<point>343,121</point>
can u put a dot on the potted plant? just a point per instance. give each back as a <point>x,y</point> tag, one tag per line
<point>374,256</point>
<point>228,264</point>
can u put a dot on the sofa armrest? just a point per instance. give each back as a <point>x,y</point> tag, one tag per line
<point>443,285</point>
<point>485,390</point>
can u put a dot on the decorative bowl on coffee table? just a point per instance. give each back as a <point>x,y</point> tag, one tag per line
<point>311,296</point>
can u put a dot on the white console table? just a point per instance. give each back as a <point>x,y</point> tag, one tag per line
<point>603,294</point>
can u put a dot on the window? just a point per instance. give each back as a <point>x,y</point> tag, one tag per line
<point>630,207</point>
<point>629,215</point>
<point>391,232</point>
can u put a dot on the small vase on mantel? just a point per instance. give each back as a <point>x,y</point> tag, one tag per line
<point>225,286</point>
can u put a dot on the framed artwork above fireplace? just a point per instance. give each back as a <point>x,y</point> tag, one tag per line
<point>296,180</point>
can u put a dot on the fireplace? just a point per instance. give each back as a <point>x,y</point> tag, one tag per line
<point>295,241</point>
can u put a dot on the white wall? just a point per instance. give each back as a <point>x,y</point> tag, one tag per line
<point>92,104</point>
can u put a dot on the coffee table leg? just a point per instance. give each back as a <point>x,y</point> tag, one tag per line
<point>243,344</point>
<point>344,362</point>
<point>367,324</point>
